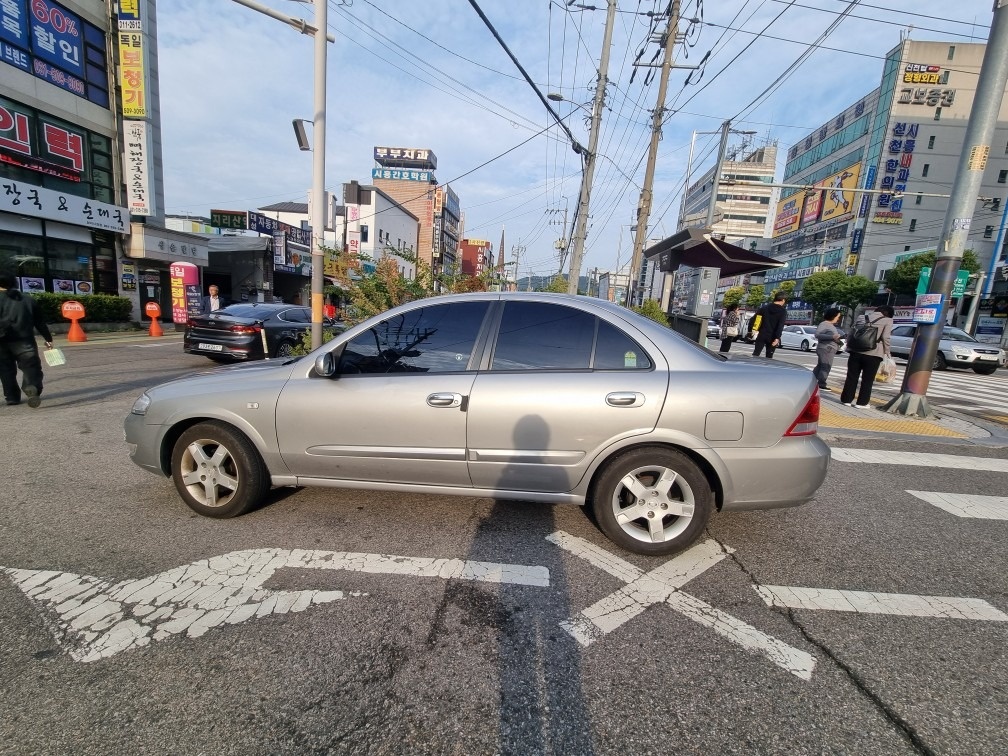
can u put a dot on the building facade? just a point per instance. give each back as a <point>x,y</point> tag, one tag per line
<point>475,257</point>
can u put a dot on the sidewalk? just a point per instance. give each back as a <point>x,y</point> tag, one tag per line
<point>60,339</point>
<point>837,419</point>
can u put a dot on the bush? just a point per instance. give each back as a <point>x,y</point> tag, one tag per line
<point>652,309</point>
<point>98,308</point>
<point>303,346</point>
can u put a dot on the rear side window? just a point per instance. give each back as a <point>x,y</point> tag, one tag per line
<point>614,350</point>
<point>437,339</point>
<point>542,336</point>
<point>296,315</point>
<point>903,331</point>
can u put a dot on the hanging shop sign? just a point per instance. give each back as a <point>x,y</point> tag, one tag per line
<point>263,224</point>
<point>31,140</point>
<point>136,161</point>
<point>38,202</point>
<point>235,219</point>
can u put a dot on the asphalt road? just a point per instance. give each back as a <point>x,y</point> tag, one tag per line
<point>383,657</point>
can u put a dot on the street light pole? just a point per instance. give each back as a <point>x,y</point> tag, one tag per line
<point>581,229</point>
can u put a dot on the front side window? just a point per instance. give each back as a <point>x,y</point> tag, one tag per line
<point>903,331</point>
<point>435,339</point>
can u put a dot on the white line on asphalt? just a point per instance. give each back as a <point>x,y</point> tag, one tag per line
<point>866,602</point>
<point>662,585</point>
<point>97,618</point>
<point>954,461</point>
<point>967,505</point>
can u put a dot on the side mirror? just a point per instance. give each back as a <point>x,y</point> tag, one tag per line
<point>325,365</point>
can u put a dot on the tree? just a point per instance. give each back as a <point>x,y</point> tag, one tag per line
<point>558,285</point>
<point>903,277</point>
<point>650,308</point>
<point>823,289</point>
<point>856,290</point>
<point>755,297</point>
<point>734,296</point>
<point>787,288</point>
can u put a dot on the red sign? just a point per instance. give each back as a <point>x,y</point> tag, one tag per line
<point>72,310</point>
<point>152,310</point>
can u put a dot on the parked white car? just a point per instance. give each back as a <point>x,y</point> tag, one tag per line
<point>956,349</point>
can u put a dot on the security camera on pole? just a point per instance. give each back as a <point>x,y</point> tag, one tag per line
<point>976,147</point>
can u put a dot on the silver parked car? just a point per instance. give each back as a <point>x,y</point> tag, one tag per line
<point>956,349</point>
<point>538,397</point>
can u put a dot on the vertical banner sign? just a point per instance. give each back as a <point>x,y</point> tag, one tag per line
<point>129,276</point>
<point>135,165</point>
<point>279,248</point>
<point>185,291</point>
<point>131,60</point>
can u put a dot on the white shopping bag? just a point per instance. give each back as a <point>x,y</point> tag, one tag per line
<point>54,357</point>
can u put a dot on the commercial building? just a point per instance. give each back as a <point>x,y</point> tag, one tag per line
<point>81,198</point>
<point>377,226</point>
<point>475,256</point>
<point>903,140</point>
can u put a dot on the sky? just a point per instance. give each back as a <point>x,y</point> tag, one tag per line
<point>430,74</point>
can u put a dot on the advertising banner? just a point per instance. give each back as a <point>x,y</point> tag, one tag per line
<point>29,140</point>
<point>135,167</point>
<point>788,216</point>
<point>839,198</point>
<point>813,204</point>
<point>229,219</point>
<point>990,330</point>
<point>56,36</point>
<point>37,202</point>
<point>185,291</point>
<point>131,74</point>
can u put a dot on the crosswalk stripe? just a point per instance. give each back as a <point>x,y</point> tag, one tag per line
<point>885,457</point>
<point>967,505</point>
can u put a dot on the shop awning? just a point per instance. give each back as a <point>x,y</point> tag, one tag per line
<point>694,248</point>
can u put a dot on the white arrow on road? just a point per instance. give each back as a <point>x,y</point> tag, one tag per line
<point>96,618</point>
<point>662,586</point>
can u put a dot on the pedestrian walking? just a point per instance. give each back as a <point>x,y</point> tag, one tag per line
<point>772,320</point>
<point>828,338</point>
<point>864,357</point>
<point>730,323</point>
<point>20,317</point>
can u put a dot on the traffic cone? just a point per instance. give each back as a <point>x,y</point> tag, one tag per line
<point>76,333</point>
<point>155,328</point>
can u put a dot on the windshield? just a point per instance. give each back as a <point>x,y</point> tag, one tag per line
<point>954,334</point>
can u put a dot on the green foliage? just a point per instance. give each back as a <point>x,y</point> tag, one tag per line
<point>902,278</point>
<point>829,287</point>
<point>755,297</point>
<point>650,308</point>
<point>857,290</point>
<point>787,287</point>
<point>98,308</point>
<point>734,296</point>
<point>558,285</point>
<point>303,345</point>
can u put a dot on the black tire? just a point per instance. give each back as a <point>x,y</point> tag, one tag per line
<point>940,363</point>
<point>805,345</point>
<point>985,370</point>
<point>227,487</point>
<point>677,530</point>
<point>284,349</point>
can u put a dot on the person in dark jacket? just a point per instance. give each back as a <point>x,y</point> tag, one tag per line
<point>213,301</point>
<point>774,317</point>
<point>20,317</point>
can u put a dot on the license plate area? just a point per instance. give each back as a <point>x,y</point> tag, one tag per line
<point>210,347</point>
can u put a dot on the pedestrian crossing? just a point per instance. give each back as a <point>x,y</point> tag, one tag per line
<point>963,505</point>
<point>954,389</point>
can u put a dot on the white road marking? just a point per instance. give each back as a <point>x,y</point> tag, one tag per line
<point>954,461</point>
<point>96,618</point>
<point>866,602</point>
<point>967,505</point>
<point>662,585</point>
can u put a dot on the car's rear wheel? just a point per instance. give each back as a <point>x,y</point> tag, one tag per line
<point>217,471</point>
<point>653,501</point>
<point>985,369</point>
<point>285,349</point>
<point>939,363</point>
<point>805,345</point>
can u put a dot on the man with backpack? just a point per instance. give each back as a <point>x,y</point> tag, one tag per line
<point>867,345</point>
<point>772,318</point>
<point>20,317</point>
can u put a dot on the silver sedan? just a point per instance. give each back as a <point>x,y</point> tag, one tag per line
<point>538,397</point>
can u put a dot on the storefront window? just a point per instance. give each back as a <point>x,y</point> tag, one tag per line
<point>21,256</point>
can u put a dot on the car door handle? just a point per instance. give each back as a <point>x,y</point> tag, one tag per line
<point>445,400</point>
<point>624,399</point>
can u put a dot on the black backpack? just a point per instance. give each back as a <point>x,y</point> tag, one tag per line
<point>864,337</point>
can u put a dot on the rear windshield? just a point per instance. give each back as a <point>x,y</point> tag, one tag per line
<point>245,311</point>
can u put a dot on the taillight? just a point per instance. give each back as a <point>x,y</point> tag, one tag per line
<point>807,422</point>
<point>244,329</point>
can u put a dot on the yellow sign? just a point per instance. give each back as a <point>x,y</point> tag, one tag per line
<point>131,74</point>
<point>978,157</point>
<point>788,216</point>
<point>839,198</point>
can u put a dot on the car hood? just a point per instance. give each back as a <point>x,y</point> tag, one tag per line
<point>232,376</point>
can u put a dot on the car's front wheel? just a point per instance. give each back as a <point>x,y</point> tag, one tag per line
<point>939,362</point>
<point>805,345</point>
<point>985,369</point>
<point>217,471</point>
<point>653,501</point>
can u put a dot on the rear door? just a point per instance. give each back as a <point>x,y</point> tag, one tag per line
<point>559,386</point>
<point>397,410</point>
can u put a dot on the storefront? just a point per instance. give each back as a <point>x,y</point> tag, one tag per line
<point>149,255</point>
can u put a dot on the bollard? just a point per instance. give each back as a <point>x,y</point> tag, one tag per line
<point>153,311</point>
<point>73,311</point>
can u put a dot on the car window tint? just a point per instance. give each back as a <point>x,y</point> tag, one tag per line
<point>954,334</point>
<point>296,315</point>
<point>436,339</point>
<point>243,311</point>
<point>903,331</point>
<point>542,336</point>
<point>614,350</point>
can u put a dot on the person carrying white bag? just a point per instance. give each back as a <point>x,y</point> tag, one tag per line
<point>20,317</point>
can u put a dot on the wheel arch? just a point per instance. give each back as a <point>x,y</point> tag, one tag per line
<point>713,478</point>
<point>176,429</point>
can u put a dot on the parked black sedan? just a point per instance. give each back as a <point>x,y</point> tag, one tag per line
<point>249,331</point>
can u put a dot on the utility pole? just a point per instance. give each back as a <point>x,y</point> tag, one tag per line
<point>644,205</point>
<point>518,249</point>
<point>561,243</point>
<point>976,147</point>
<point>589,156</point>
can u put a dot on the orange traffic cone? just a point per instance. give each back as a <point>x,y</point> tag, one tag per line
<point>76,333</point>
<point>155,328</point>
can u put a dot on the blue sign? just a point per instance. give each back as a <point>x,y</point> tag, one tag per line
<point>857,237</point>
<point>870,178</point>
<point>14,56</point>
<point>865,203</point>
<point>57,36</point>
<point>263,224</point>
<point>14,23</point>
